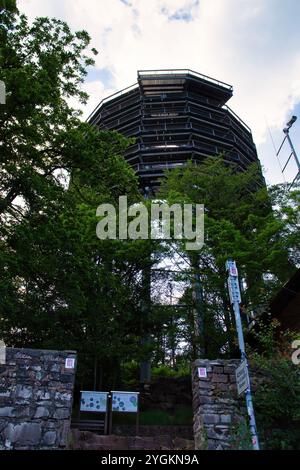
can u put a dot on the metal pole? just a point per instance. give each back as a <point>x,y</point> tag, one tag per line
<point>286,131</point>
<point>199,323</point>
<point>293,153</point>
<point>145,365</point>
<point>235,299</point>
<point>198,310</point>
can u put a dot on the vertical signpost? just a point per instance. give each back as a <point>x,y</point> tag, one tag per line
<point>2,352</point>
<point>242,373</point>
<point>2,92</point>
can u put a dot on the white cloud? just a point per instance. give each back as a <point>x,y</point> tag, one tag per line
<point>252,45</point>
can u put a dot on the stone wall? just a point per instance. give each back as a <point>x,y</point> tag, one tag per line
<point>218,412</point>
<point>36,392</point>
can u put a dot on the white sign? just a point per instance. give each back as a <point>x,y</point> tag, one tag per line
<point>202,372</point>
<point>242,380</point>
<point>2,352</point>
<point>234,290</point>
<point>70,363</point>
<point>233,271</point>
<point>126,402</point>
<point>231,267</point>
<point>93,401</point>
<point>2,93</point>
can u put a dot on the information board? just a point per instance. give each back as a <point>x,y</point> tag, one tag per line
<point>95,402</point>
<point>125,402</point>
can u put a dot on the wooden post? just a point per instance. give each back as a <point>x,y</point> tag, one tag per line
<point>137,422</point>
<point>106,416</point>
<point>110,415</point>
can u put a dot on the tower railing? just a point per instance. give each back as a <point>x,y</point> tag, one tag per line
<point>181,72</point>
<point>113,96</point>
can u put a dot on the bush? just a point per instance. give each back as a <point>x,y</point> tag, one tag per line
<point>166,371</point>
<point>277,398</point>
<point>277,403</point>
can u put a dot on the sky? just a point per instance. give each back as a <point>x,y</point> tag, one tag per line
<point>253,45</point>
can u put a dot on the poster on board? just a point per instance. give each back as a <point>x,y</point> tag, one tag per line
<point>93,401</point>
<point>125,402</point>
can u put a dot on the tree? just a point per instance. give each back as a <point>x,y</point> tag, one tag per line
<point>42,65</point>
<point>60,286</point>
<point>239,224</point>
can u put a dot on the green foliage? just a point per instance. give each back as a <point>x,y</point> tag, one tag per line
<point>60,286</point>
<point>277,394</point>
<point>130,375</point>
<point>167,371</point>
<point>277,403</point>
<point>182,416</point>
<point>42,139</point>
<point>265,334</point>
<point>241,437</point>
<point>239,224</point>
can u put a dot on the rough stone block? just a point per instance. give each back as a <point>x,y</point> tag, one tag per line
<point>24,392</point>
<point>7,411</point>
<point>211,419</point>
<point>203,400</point>
<point>41,412</point>
<point>229,369</point>
<point>25,434</point>
<point>206,392</point>
<point>223,387</point>
<point>203,384</point>
<point>218,369</point>
<point>49,438</point>
<point>219,378</point>
<point>62,413</point>
<point>43,395</point>
<point>225,419</point>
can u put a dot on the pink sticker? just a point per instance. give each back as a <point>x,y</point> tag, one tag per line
<point>70,363</point>
<point>202,373</point>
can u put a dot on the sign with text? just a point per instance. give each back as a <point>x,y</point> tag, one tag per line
<point>125,402</point>
<point>95,402</point>
<point>242,380</point>
<point>234,290</point>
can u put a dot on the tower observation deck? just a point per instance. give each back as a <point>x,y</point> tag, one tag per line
<point>175,116</point>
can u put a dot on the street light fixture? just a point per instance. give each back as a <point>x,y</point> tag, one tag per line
<point>293,151</point>
<point>291,122</point>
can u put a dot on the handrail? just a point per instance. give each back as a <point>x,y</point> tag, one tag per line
<point>157,72</point>
<point>170,72</point>
<point>184,71</point>
<point>114,95</point>
<point>237,118</point>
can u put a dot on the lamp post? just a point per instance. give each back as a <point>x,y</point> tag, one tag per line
<point>235,300</point>
<point>293,151</point>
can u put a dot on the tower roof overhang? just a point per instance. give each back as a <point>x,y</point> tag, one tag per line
<point>153,82</point>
